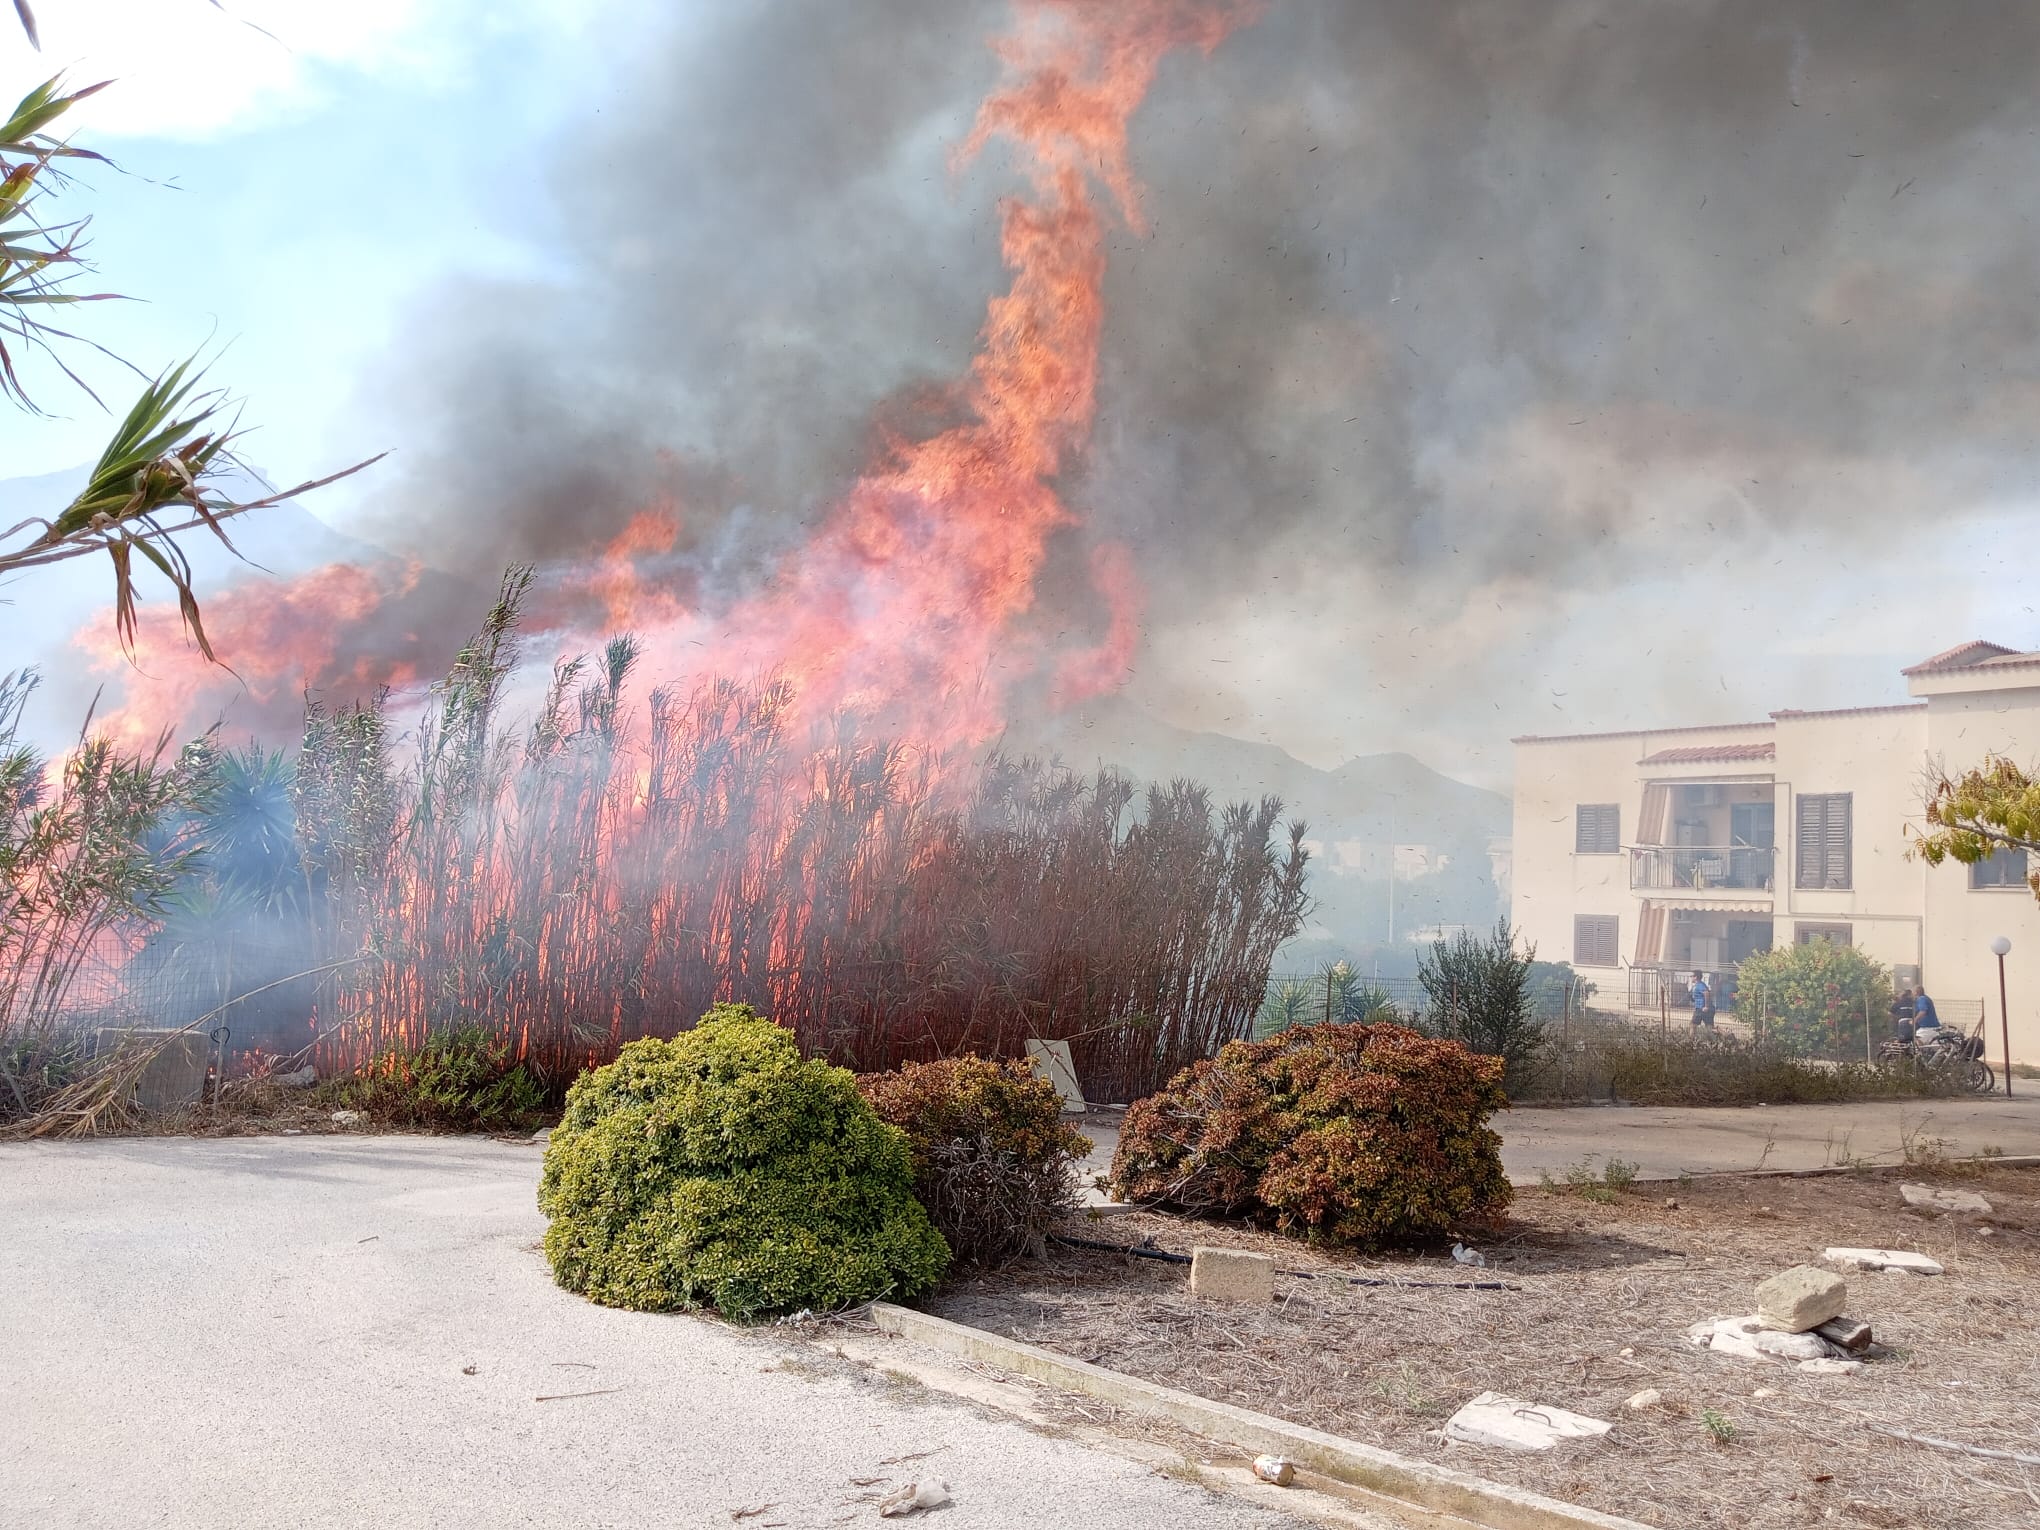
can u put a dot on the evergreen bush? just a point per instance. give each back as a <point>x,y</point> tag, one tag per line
<point>462,1080</point>
<point>1349,1134</point>
<point>721,1169</point>
<point>1816,998</point>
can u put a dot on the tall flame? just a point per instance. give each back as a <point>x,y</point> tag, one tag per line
<point>907,602</point>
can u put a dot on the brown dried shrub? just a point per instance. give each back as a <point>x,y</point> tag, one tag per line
<point>1348,1134</point>
<point>994,1162</point>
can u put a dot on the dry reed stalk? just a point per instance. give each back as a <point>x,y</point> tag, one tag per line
<point>597,882</point>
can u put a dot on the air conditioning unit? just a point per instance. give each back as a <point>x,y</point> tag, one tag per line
<point>1702,796</point>
<point>1682,916</point>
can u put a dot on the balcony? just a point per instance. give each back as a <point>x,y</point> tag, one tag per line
<point>1702,868</point>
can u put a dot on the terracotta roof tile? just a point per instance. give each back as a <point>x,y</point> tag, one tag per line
<point>1961,656</point>
<point>1700,754</point>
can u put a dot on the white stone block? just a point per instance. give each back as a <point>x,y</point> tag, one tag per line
<point>1512,1424</point>
<point>1927,1198</point>
<point>1884,1259</point>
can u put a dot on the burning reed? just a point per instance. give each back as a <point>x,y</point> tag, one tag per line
<point>606,876</point>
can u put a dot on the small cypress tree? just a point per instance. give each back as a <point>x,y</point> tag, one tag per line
<point>1479,992</point>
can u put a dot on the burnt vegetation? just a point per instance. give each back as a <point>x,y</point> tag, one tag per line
<point>598,873</point>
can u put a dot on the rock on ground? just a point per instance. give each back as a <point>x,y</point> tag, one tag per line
<point>1884,1259</point>
<point>1509,1422</point>
<point>1800,1298</point>
<point>1927,1198</point>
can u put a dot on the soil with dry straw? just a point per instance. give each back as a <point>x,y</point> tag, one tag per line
<point>1606,1289</point>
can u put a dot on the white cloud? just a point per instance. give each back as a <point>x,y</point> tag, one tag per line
<point>188,69</point>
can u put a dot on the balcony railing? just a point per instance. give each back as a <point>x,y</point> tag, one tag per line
<point>1703,868</point>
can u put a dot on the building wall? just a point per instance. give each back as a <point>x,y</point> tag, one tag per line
<point>1961,921</point>
<point>1900,911</point>
<point>1877,757</point>
<point>1552,882</point>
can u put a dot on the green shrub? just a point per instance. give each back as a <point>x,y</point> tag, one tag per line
<point>1479,987</point>
<point>1353,1134</point>
<point>1814,998</point>
<point>461,1080</point>
<point>721,1169</point>
<point>993,1161</point>
<point>1610,1059</point>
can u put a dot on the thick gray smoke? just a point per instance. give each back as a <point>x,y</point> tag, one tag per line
<point>1440,300</point>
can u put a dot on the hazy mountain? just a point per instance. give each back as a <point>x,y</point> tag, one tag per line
<point>1441,827</point>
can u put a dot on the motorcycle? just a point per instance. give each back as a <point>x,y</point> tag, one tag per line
<point>1945,1049</point>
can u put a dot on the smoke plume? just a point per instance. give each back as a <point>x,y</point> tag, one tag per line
<point>1436,309</point>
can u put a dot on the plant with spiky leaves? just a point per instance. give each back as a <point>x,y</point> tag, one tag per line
<point>166,468</point>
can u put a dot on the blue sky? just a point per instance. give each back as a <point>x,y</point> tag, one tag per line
<point>290,203</point>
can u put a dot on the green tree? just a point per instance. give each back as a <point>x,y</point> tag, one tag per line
<point>1479,992</point>
<point>1991,808</point>
<point>1814,998</point>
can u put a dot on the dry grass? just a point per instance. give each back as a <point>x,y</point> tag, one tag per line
<point>1607,1291</point>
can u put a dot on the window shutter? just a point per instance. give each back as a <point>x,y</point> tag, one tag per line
<point>1597,828</point>
<point>1596,940</point>
<point>1822,844</point>
<point>1835,841</point>
<point>1806,850</point>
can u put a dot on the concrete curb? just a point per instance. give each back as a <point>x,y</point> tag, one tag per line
<point>1419,1484</point>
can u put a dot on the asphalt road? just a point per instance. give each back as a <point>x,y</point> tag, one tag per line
<point>1667,1142</point>
<point>353,1331</point>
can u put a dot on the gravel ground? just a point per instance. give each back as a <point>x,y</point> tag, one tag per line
<point>1606,1292</point>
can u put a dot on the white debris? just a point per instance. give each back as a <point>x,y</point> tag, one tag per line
<point>1650,1397</point>
<point>1830,1367</point>
<point>1927,1198</point>
<point>1279,1470</point>
<point>914,1497</point>
<point>1465,1255</point>
<point>1746,1338</point>
<point>1792,1346</point>
<point>1885,1259</point>
<point>1492,1419</point>
<point>347,1118</point>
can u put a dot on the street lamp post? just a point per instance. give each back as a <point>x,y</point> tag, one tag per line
<point>1999,948</point>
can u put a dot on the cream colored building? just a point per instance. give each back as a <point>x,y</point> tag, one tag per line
<point>1641,857</point>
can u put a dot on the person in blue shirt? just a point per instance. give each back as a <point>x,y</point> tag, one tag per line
<point>1703,1001</point>
<point>1924,1016</point>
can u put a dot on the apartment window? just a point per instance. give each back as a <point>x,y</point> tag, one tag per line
<point>1823,846</point>
<point>1596,939</point>
<point>1834,934</point>
<point>2005,868</point>
<point>1597,828</point>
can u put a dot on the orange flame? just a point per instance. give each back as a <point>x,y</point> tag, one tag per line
<point>280,636</point>
<point>904,603</point>
<point>907,602</point>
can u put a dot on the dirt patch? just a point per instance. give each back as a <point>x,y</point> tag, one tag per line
<point>1605,1294</point>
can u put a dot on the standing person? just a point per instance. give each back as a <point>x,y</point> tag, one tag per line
<point>1902,1017</point>
<point>1703,1002</point>
<point>1924,1016</point>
